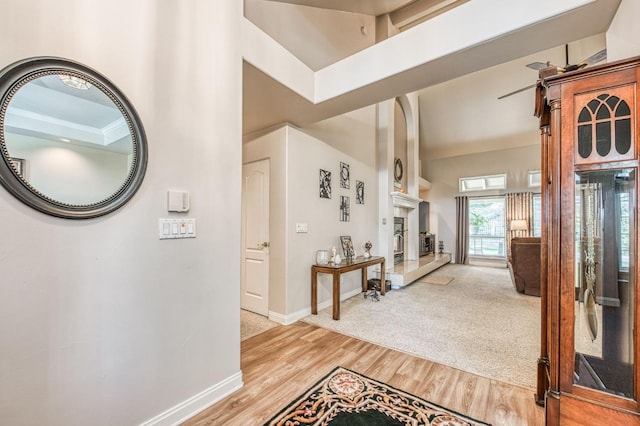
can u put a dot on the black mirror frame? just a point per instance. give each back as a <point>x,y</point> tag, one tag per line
<point>16,75</point>
<point>398,170</point>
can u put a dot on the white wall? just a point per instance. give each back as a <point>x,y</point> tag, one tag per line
<point>623,36</point>
<point>102,323</point>
<point>318,37</point>
<point>69,173</point>
<point>306,156</point>
<point>296,157</point>
<point>444,174</point>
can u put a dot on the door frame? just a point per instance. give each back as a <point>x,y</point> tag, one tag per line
<point>266,249</point>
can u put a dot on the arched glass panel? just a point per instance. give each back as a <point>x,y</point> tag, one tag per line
<point>603,138</point>
<point>584,140</point>
<point>623,135</point>
<point>603,112</point>
<point>585,116</point>
<point>623,109</point>
<point>612,102</point>
<point>593,105</point>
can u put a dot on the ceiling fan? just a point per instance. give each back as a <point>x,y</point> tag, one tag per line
<point>593,59</point>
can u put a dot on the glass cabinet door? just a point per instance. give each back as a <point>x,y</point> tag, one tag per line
<point>604,296</point>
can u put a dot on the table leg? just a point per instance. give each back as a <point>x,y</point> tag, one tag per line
<point>383,279</point>
<point>336,295</point>
<point>314,291</point>
<point>364,279</point>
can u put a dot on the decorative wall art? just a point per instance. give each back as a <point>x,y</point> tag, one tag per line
<point>347,246</point>
<point>344,176</point>
<point>325,184</point>
<point>344,209</point>
<point>359,192</point>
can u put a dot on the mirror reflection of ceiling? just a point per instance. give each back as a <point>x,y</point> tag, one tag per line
<point>49,109</point>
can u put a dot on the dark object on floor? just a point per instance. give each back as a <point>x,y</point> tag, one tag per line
<point>375,282</point>
<point>373,293</point>
<point>524,265</point>
<point>373,287</point>
<point>344,397</point>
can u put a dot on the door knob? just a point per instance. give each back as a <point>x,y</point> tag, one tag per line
<point>264,245</point>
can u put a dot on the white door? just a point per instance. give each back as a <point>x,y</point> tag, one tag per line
<point>255,237</point>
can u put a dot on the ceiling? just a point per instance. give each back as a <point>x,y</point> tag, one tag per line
<point>367,7</point>
<point>460,89</point>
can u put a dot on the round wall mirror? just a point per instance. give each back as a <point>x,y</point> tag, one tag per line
<point>398,170</point>
<point>71,144</point>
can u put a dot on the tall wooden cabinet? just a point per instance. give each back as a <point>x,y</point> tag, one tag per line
<point>588,368</point>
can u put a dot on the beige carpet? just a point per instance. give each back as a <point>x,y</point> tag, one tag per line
<point>253,324</point>
<point>435,278</point>
<point>478,323</point>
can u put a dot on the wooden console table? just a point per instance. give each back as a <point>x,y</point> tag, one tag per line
<point>336,271</point>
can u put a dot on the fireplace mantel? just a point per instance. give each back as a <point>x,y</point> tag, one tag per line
<point>400,199</point>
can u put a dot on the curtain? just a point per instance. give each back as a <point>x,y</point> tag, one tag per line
<point>519,207</point>
<point>462,229</point>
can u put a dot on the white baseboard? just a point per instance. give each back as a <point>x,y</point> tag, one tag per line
<point>197,403</point>
<point>296,316</point>
<point>278,317</point>
<point>291,318</point>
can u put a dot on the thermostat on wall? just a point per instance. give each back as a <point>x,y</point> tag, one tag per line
<point>177,201</point>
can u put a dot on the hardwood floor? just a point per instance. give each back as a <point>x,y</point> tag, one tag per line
<point>279,364</point>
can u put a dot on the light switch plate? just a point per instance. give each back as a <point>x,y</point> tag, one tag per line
<point>302,227</point>
<point>176,228</point>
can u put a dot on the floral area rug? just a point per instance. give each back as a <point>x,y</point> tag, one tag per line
<point>345,397</point>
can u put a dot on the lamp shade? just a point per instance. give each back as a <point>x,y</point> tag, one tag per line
<point>519,225</point>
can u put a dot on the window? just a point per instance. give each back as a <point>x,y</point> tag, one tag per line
<point>487,227</point>
<point>537,215</point>
<point>482,183</point>
<point>534,179</point>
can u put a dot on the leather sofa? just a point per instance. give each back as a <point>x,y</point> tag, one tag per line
<point>524,265</point>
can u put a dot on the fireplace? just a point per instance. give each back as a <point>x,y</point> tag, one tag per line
<point>398,240</point>
<point>427,243</point>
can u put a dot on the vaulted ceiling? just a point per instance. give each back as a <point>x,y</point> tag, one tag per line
<point>368,7</point>
<point>459,107</point>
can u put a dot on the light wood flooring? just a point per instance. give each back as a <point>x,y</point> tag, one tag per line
<point>279,364</point>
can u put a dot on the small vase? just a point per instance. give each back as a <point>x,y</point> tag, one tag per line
<point>367,249</point>
<point>322,257</point>
<point>337,259</point>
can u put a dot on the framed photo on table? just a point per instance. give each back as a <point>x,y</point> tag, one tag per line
<point>347,246</point>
